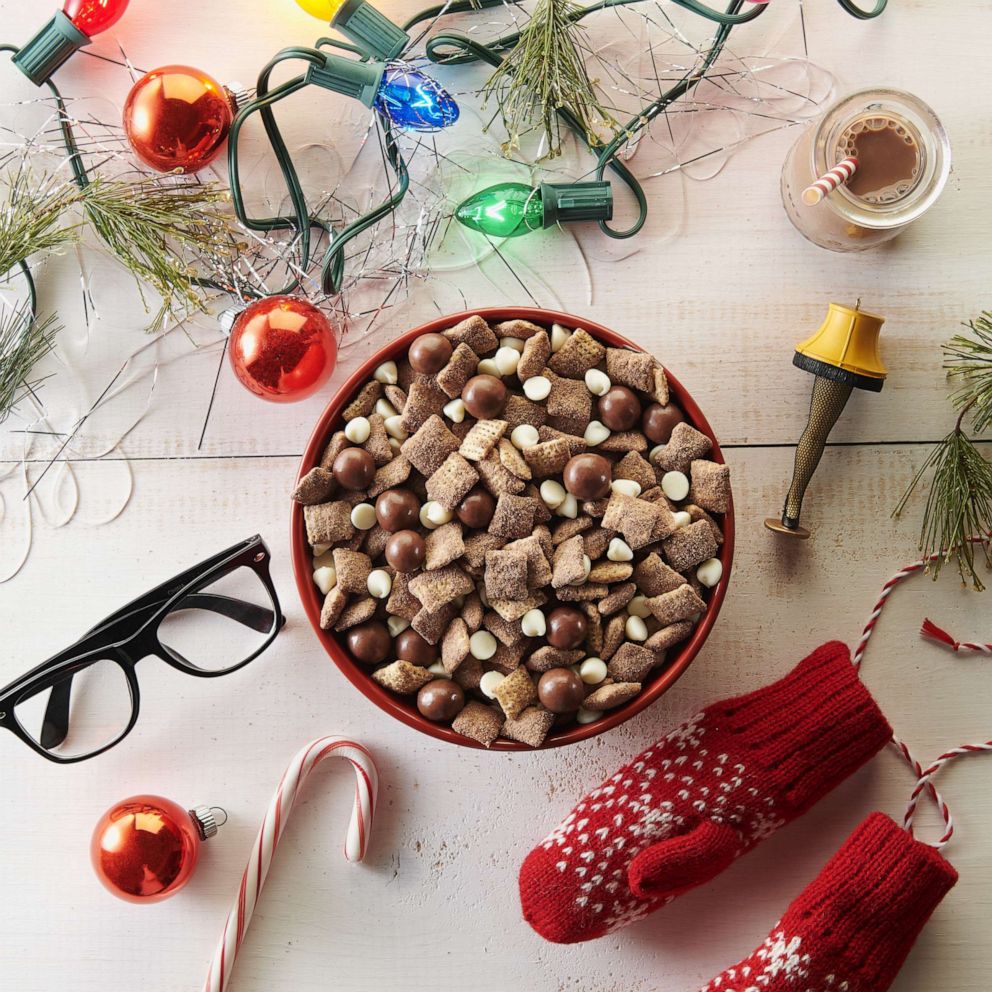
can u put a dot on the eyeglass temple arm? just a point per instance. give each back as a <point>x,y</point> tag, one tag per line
<point>55,726</point>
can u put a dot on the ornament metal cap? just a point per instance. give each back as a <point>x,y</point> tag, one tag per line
<point>845,349</point>
<point>226,318</point>
<point>374,33</point>
<point>359,80</point>
<point>238,95</point>
<point>565,202</point>
<point>206,823</point>
<point>50,48</point>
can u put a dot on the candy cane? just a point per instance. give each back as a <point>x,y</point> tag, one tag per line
<point>830,180</point>
<point>269,834</point>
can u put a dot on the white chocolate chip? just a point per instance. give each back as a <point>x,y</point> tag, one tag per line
<point>586,567</point>
<point>397,625</point>
<point>654,452</point>
<point>598,383</point>
<point>482,645</point>
<point>384,408</point>
<point>517,344</point>
<point>432,514</point>
<point>437,669</point>
<point>636,629</point>
<point>638,607</point>
<point>533,624</point>
<point>569,507</point>
<point>710,572</point>
<point>681,519</point>
<point>506,360</point>
<point>675,485</point>
<point>586,716</point>
<point>488,367</point>
<point>537,388</point>
<point>559,335</point>
<point>379,583</point>
<point>363,516</point>
<point>455,410</point>
<point>489,683</point>
<point>596,433</point>
<point>357,431</point>
<point>524,436</point>
<point>395,428</point>
<point>592,671</point>
<point>387,373</point>
<point>626,486</point>
<point>553,493</point>
<point>321,549</point>
<point>619,550</point>
<point>325,578</point>
<point>483,595</point>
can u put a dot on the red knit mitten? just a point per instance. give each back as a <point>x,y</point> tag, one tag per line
<point>690,804</point>
<point>852,927</point>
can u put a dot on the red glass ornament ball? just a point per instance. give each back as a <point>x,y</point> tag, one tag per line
<point>177,118</point>
<point>145,848</point>
<point>282,349</point>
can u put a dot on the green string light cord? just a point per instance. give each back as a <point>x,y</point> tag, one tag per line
<point>302,221</point>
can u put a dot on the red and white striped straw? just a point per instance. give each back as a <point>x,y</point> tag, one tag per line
<point>930,630</point>
<point>829,181</point>
<point>276,818</point>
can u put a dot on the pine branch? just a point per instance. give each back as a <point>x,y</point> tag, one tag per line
<point>29,218</point>
<point>165,234</point>
<point>546,72</point>
<point>23,343</point>
<point>969,361</point>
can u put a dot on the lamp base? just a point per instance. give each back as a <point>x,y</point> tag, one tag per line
<point>776,525</point>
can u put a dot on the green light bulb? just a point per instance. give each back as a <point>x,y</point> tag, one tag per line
<point>505,210</point>
<point>508,210</point>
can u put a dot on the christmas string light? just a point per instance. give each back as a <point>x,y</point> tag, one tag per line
<point>374,33</point>
<point>509,210</point>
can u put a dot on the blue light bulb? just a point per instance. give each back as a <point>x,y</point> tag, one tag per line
<point>414,101</point>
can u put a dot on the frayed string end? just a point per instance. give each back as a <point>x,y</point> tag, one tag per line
<point>931,630</point>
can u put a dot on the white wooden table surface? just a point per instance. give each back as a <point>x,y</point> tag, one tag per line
<point>435,906</point>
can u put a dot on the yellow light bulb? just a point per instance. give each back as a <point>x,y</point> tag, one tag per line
<point>323,10</point>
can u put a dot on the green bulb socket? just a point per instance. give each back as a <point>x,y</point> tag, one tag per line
<point>373,32</point>
<point>359,80</point>
<point>50,48</point>
<point>569,202</point>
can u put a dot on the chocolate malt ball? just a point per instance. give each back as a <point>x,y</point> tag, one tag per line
<point>369,642</point>
<point>405,551</point>
<point>397,509</point>
<point>476,509</point>
<point>659,422</point>
<point>429,353</point>
<point>587,476</point>
<point>560,690</point>
<point>354,468</point>
<point>619,409</point>
<point>484,396</point>
<point>566,627</point>
<point>441,700</point>
<point>411,647</point>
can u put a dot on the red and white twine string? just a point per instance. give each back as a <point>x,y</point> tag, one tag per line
<point>270,832</point>
<point>930,630</point>
<point>830,180</point>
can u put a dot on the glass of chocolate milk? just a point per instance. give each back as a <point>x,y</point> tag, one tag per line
<point>904,158</point>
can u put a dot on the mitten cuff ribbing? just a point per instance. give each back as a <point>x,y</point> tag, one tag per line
<point>808,731</point>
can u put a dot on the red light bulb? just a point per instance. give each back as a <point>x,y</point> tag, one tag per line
<point>94,16</point>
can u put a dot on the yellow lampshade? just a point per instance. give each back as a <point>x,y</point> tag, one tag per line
<point>323,10</point>
<point>845,348</point>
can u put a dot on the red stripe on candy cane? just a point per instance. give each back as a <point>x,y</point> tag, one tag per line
<point>270,832</point>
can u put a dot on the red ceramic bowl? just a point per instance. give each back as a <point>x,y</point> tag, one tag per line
<point>404,708</point>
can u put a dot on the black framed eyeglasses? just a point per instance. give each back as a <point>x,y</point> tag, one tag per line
<point>210,620</point>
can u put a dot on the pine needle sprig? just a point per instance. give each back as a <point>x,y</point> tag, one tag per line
<point>544,73</point>
<point>167,235</point>
<point>30,218</point>
<point>968,361</point>
<point>24,341</point>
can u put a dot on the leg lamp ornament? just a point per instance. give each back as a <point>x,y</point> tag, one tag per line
<point>843,355</point>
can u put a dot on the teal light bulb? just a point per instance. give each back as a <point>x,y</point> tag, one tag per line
<point>505,210</point>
